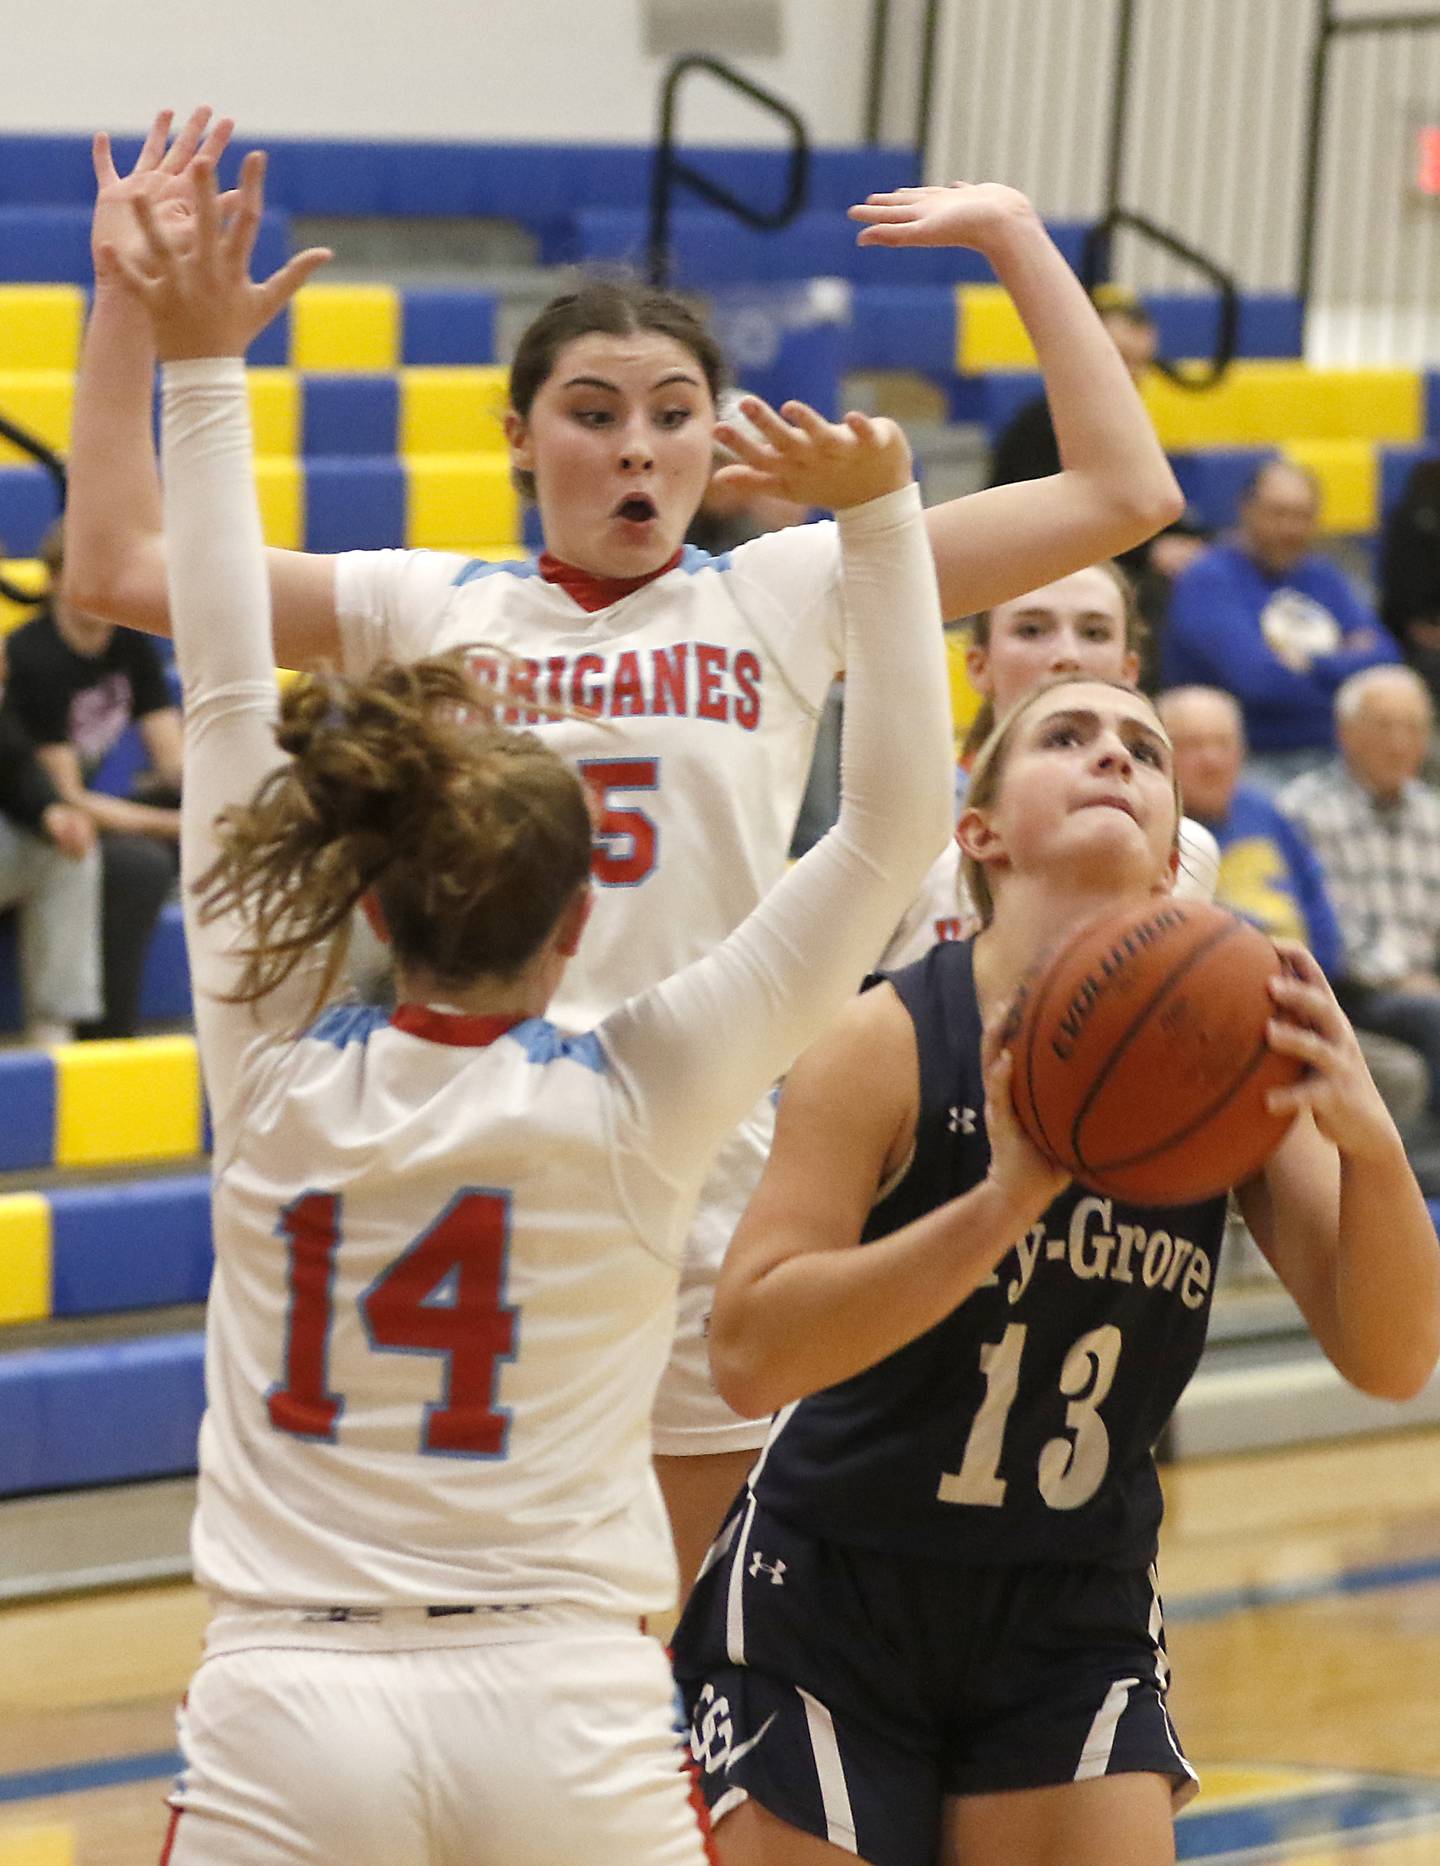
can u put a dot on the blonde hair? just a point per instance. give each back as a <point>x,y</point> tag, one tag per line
<point>989,769</point>
<point>473,836</point>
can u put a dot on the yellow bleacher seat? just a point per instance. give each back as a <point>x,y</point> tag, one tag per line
<point>280,485</point>
<point>136,1099</point>
<point>40,326</point>
<point>25,573</point>
<point>452,411</point>
<point>39,400</point>
<point>25,1273</point>
<point>452,497</point>
<point>988,331</point>
<point>1349,476</point>
<point>342,327</point>
<point>275,404</point>
<point>1264,403</point>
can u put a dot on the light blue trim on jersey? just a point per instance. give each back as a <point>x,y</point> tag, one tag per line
<point>502,567</point>
<point>343,1024</point>
<point>543,1043</point>
<point>692,559</point>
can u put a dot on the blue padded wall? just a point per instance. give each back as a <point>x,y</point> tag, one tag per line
<point>137,1244</point>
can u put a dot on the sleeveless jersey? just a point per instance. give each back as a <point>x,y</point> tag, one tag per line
<point>1019,1428</point>
<point>706,685</point>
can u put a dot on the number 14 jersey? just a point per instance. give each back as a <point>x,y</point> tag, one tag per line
<point>1020,1428</point>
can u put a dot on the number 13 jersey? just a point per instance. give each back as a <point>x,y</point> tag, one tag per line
<point>1020,1428</point>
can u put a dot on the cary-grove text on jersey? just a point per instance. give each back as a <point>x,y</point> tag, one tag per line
<point>1095,1246</point>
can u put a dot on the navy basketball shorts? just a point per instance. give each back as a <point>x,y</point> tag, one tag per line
<point>851,1690</point>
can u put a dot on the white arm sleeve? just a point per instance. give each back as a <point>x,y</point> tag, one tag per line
<point>220,605</point>
<point>697,1050</point>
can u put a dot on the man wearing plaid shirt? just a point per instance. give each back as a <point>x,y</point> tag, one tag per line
<point>1376,829</point>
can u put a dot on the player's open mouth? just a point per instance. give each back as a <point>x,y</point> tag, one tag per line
<point>638,509</point>
<point>1112,803</point>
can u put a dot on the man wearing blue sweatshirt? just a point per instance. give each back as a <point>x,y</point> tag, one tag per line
<point>1265,617</point>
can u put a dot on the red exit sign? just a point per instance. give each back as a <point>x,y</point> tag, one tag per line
<point>1427,162</point>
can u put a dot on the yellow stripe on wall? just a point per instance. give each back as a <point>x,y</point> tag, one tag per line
<point>452,497</point>
<point>988,331</point>
<point>41,326</point>
<point>452,411</point>
<point>345,327</point>
<point>25,1258</point>
<point>1264,403</point>
<point>40,401</point>
<point>280,487</point>
<point>1349,476</point>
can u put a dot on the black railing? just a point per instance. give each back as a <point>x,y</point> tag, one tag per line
<point>671,169</point>
<point>880,23</point>
<point>55,467</point>
<point>1095,268</point>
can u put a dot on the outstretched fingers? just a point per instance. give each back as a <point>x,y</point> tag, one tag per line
<point>181,152</point>
<point>276,292</point>
<point>152,150</point>
<point>242,227</point>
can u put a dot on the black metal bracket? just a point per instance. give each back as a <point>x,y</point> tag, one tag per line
<point>671,169</point>
<point>1095,267</point>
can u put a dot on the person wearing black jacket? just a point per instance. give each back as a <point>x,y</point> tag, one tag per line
<point>1410,573</point>
<point>50,873</point>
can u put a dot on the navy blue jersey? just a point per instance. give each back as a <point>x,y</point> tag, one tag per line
<point>1019,1428</point>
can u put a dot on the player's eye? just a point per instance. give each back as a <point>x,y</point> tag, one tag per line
<point>1150,753</point>
<point>674,417</point>
<point>1061,733</point>
<point>593,417</point>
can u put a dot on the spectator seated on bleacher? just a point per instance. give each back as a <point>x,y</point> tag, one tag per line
<point>1263,615</point>
<point>1376,829</point>
<point>50,874</point>
<point>1026,449</point>
<point>1410,572</point>
<point>77,685</point>
<point>1268,871</point>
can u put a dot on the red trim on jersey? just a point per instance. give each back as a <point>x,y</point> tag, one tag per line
<point>592,592</point>
<point>175,1814</point>
<point>702,1813</point>
<point>453,1027</point>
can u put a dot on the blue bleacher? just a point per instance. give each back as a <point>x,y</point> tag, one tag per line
<point>51,245</point>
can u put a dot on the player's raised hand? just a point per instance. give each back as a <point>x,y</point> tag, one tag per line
<point>961,213</point>
<point>1339,1090</point>
<point>163,175</point>
<point>798,455</point>
<point>196,284</point>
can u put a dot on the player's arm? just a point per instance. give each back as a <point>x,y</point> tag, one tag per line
<point>1337,1210</point>
<point>800,1305</point>
<point>115,554</point>
<point>1115,487</point>
<point>126,816</point>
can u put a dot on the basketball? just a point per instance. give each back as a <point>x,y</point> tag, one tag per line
<point>1140,1060</point>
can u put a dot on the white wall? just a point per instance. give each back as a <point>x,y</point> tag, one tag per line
<point>486,70</point>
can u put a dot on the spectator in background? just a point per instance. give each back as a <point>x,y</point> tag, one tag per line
<point>1410,573</point>
<point>50,873</point>
<point>1265,616</point>
<point>77,684</point>
<point>1376,829</point>
<point>1026,449</point>
<point>1268,871</point>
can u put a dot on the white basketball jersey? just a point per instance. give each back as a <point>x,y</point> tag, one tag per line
<point>707,684</point>
<point>403,1348</point>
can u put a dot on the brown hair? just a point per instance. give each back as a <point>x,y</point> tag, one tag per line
<point>989,769</point>
<point>474,837</point>
<point>1137,632</point>
<point>616,308</point>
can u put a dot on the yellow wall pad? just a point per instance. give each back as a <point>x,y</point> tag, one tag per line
<point>337,327</point>
<point>40,326</point>
<point>39,400</point>
<point>280,487</point>
<point>452,411</point>
<point>274,410</point>
<point>1349,476</point>
<point>451,497</point>
<point>1269,404</point>
<point>26,573</point>
<point>25,1265</point>
<point>137,1098</point>
<point>37,1846</point>
<point>988,331</point>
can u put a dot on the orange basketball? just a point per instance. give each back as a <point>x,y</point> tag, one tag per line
<point>1140,1061</point>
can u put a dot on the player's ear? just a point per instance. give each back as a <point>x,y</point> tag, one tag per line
<point>517,434</point>
<point>977,666</point>
<point>1169,875</point>
<point>375,915</point>
<point>978,837</point>
<point>1130,667</point>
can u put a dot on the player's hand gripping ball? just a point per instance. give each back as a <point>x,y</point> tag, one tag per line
<point>1140,1060</point>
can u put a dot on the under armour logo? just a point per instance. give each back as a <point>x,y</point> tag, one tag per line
<point>962,1121</point>
<point>775,1569</point>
